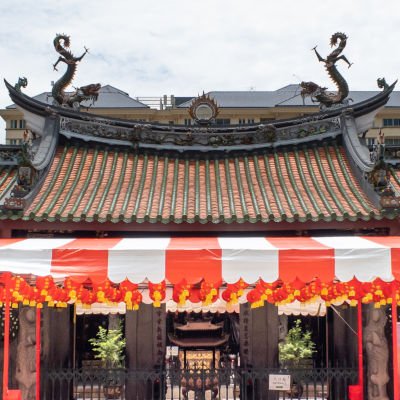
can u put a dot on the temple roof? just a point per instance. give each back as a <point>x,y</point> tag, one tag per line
<point>202,342</point>
<point>89,168</point>
<point>199,326</point>
<point>98,184</point>
<point>7,180</point>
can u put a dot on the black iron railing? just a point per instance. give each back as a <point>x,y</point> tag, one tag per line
<point>174,384</point>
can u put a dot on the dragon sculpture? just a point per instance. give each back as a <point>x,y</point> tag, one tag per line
<point>89,92</point>
<point>22,83</point>
<point>318,93</point>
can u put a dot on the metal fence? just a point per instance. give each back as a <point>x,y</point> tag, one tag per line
<point>174,384</point>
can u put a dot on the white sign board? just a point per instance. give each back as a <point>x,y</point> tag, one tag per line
<point>172,351</point>
<point>279,382</point>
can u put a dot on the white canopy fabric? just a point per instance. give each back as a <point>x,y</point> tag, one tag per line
<point>210,258</point>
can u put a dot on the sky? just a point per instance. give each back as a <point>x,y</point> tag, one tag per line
<point>184,47</point>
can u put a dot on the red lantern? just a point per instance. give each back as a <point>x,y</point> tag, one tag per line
<point>157,293</point>
<point>181,292</point>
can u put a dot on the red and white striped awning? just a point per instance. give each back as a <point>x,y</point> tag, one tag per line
<point>209,258</point>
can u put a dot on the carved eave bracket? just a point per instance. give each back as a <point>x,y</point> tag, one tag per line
<point>380,177</point>
<point>26,179</point>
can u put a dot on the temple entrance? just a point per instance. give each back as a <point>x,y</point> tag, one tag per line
<point>208,356</point>
<point>202,353</point>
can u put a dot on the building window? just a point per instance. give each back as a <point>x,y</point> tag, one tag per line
<point>392,141</point>
<point>391,122</point>
<point>13,141</point>
<point>243,121</point>
<point>266,120</point>
<point>188,121</point>
<point>17,124</point>
<point>222,121</point>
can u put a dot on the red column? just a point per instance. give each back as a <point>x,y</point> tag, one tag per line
<point>396,382</point>
<point>6,336</point>
<point>38,316</point>
<point>360,349</point>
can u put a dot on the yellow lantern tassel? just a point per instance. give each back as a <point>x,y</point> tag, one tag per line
<point>157,299</point>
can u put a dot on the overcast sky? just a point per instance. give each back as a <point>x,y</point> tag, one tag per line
<point>151,48</point>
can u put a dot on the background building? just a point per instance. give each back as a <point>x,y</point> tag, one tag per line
<point>235,108</point>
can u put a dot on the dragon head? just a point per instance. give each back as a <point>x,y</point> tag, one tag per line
<point>310,89</point>
<point>91,90</point>
<point>338,36</point>
<point>62,37</point>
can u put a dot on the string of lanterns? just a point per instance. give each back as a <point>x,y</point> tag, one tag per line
<point>45,290</point>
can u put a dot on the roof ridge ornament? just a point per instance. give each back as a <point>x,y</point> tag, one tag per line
<point>22,83</point>
<point>204,109</point>
<point>318,93</point>
<point>381,82</point>
<point>61,98</point>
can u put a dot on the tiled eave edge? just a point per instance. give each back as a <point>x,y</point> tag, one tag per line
<point>371,216</point>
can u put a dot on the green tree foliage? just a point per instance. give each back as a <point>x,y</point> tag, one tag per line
<point>297,345</point>
<point>108,346</point>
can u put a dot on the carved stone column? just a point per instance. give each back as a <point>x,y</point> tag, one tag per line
<point>377,350</point>
<point>26,353</point>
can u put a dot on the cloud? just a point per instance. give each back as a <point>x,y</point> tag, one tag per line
<point>183,47</point>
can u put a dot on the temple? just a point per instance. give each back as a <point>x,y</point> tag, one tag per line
<point>160,220</point>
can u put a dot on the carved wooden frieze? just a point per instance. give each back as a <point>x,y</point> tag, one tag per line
<point>147,134</point>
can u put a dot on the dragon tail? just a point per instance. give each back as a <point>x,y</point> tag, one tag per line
<point>339,81</point>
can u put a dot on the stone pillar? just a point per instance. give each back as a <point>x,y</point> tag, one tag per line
<point>258,346</point>
<point>377,351</point>
<point>25,373</point>
<point>57,350</point>
<point>145,333</point>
